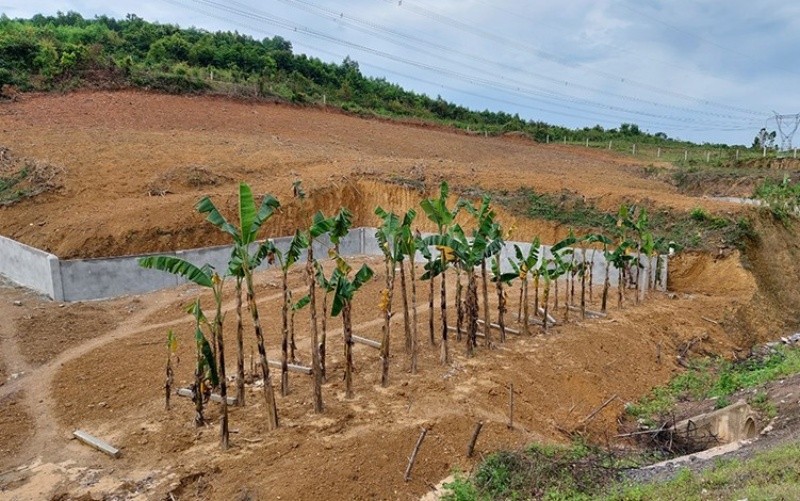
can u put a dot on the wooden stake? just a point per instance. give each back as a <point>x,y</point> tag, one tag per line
<point>511,406</point>
<point>414,454</point>
<point>475,433</point>
<point>594,412</point>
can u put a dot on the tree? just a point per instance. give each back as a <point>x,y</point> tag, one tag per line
<point>344,291</point>
<point>442,216</point>
<point>524,264</point>
<point>293,254</point>
<point>204,277</point>
<point>251,218</point>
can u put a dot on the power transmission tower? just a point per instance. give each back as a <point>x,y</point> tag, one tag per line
<point>787,125</point>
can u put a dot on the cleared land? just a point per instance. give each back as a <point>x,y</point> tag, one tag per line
<point>134,165</point>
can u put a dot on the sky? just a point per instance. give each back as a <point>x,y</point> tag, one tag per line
<point>706,71</point>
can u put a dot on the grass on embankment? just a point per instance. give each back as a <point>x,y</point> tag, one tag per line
<point>695,230</point>
<point>585,472</point>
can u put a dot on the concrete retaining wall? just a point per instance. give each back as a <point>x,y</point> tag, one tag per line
<point>28,266</point>
<point>103,278</point>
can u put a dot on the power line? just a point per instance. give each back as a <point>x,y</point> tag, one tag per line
<point>387,34</point>
<point>281,22</point>
<point>430,14</point>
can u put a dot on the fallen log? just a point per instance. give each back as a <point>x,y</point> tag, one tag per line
<point>97,443</point>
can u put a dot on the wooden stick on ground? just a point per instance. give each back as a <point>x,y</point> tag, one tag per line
<point>594,412</point>
<point>414,454</point>
<point>475,433</point>
<point>365,341</point>
<point>511,406</point>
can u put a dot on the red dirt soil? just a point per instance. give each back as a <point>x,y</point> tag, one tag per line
<point>99,366</point>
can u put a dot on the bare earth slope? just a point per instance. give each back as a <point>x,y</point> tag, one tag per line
<point>136,163</point>
<point>120,148</point>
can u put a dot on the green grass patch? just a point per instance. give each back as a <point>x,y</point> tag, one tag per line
<point>697,230</point>
<point>9,191</point>
<point>550,472</point>
<point>717,379</point>
<point>774,474</point>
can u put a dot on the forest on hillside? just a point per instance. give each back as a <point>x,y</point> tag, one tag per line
<point>67,51</point>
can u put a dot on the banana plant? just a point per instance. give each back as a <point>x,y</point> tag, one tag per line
<point>206,277</point>
<point>550,271</point>
<point>172,353</point>
<point>500,278</point>
<point>251,218</point>
<point>340,227</point>
<point>205,370</point>
<point>470,253</point>
<point>595,239</point>
<point>286,260</point>
<point>487,228</point>
<point>388,240</point>
<point>620,259</point>
<point>442,216</point>
<point>344,291</point>
<point>320,225</point>
<point>642,241</point>
<point>559,251</point>
<point>524,265</point>
<point>265,251</point>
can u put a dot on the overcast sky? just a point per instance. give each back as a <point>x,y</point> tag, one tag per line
<point>704,70</point>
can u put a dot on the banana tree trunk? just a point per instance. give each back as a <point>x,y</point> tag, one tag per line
<point>406,319</point>
<point>445,355</point>
<point>323,342</point>
<point>535,294</point>
<point>223,381</point>
<point>430,311</point>
<point>546,300</point>
<point>555,295</point>
<point>591,277</point>
<point>316,364</point>
<point>519,304</point>
<point>199,420</point>
<point>459,305</point>
<point>606,286</point>
<point>501,310</point>
<point>387,323</point>
<point>583,287</point>
<point>239,345</point>
<point>269,392</point>
<point>486,315</point>
<point>472,313</point>
<point>285,332</point>
<point>348,351</point>
<point>525,312</point>
<point>567,280</point>
<point>621,287</point>
<point>414,316</point>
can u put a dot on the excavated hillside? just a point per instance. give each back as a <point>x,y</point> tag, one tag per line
<point>131,166</point>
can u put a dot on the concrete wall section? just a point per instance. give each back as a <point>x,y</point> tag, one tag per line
<point>26,266</point>
<point>87,279</point>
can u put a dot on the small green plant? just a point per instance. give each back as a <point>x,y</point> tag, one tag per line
<point>761,402</point>
<point>717,378</point>
<point>781,198</point>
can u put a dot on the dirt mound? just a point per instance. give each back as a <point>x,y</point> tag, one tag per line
<point>191,177</point>
<point>22,178</point>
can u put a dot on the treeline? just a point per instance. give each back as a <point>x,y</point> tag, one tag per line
<point>67,51</point>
